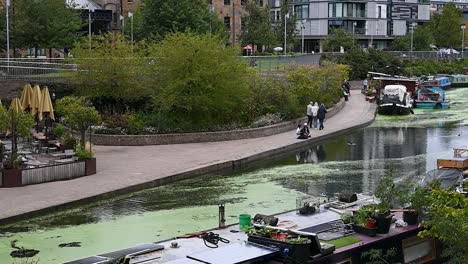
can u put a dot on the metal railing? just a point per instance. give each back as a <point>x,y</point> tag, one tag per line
<point>29,69</point>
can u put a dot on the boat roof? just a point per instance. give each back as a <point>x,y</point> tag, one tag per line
<point>395,86</point>
<point>432,90</point>
<point>395,79</point>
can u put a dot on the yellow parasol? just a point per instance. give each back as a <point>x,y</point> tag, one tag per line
<point>36,100</point>
<point>26,96</point>
<point>46,104</point>
<point>16,105</point>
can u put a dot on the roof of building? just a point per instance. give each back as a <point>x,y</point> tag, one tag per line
<point>83,4</point>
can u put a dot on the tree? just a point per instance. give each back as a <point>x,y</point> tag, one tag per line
<point>339,38</point>
<point>291,30</point>
<point>447,221</point>
<point>44,24</point>
<point>422,39</point>
<point>160,17</point>
<point>78,114</point>
<point>446,26</point>
<point>19,124</point>
<point>201,83</point>
<point>257,28</point>
<point>113,73</point>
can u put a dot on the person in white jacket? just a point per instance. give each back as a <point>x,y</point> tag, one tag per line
<point>309,114</point>
<point>315,109</point>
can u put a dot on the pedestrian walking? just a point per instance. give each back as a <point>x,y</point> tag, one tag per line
<point>365,85</point>
<point>321,115</point>
<point>309,114</point>
<point>347,87</point>
<point>315,109</point>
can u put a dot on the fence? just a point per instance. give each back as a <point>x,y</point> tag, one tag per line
<point>53,173</point>
<point>40,70</point>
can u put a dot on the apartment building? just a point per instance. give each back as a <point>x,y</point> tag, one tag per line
<point>374,23</point>
<point>231,12</point>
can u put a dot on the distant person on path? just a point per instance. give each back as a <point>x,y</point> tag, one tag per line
<point>347,87</point>
<point>321,115</point>
<point>315,109</point>
<point>365,86</point>
<point>309,114</point>
<point>303,132</point>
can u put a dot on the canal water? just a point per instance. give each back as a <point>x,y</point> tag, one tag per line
<point>409,145</point>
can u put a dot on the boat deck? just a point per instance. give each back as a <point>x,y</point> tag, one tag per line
<point>188,249</point>
<point>458,161</point>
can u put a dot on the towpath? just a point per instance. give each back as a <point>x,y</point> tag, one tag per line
<point>122,167</point>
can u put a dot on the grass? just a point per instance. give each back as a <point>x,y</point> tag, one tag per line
<point>344,241</point>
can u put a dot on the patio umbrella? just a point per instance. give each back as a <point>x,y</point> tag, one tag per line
<point>26,96</point>
<point>36,104</point>
<point>15,108</point>
<point>46,106</point>
<point>46,109</point>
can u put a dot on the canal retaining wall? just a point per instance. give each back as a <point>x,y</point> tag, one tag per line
<point>182,138</point>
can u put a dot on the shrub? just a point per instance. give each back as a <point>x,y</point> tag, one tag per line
<point>81,153</point>
<point>59,131</point>
<point>267,120</point>
<point>135,124</point>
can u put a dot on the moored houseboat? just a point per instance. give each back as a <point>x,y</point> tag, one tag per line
<point>395,101</point>
<point>432,98</point>
<point>442,82</point>
<point>459,80</point>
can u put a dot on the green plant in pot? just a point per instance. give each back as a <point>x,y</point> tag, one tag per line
<point>413,202</point>
<point>387,194</point>
<point>347,218</point>
<point>364,216</point>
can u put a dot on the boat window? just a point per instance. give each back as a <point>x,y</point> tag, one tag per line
<point>418,250</point>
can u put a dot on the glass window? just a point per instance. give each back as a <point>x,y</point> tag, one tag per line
<point>227,2</point>
<point>339,10</point>
<point>227,22</point>
<point>379,12</point>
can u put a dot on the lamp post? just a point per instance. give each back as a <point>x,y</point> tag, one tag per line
<point>302,32</point>
<point>412,33</point>
<point>130,15</point>
<point>463,27</point>
<point>8,33</point>
<point>212,9</point>
<point>90,9</point>
<point>286,16</point>
<point>354,25</point>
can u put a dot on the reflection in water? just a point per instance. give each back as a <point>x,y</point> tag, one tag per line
<point>354,162</point>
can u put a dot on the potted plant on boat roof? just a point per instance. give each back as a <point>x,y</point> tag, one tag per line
<point>386,192</point>
<point>364,222</point>
<point>413,203</point>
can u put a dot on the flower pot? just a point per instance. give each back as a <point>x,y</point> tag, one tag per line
<point>90,167</point>
<point>281,237</point>
<point>370,223</point>
<point>372,232</point>
<point>12,178</point>
<point>383,223</point>
<point>410,217</point>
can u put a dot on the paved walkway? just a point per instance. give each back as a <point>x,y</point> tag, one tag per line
<point>121,167</point>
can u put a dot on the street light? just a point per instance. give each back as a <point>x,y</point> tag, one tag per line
<point>286,16</point>
<point>90,9</point>
<point>412,33</point>
<point>302,32</point>
<point>8,33</point>
<point>130,15</point>
<point>354,25</point>
<point>463,26</point>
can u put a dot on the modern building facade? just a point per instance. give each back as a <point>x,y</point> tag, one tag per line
<point>373,22</point>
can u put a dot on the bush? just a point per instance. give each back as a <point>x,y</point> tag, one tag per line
<point>267,120</point>
<point>59,131</point>
<point>135,125</point>
<point>83,154</point>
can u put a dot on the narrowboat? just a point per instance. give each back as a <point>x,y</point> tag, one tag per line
<point>432,98</point>
<point>459,80</point>
<point>395,101</point>
<point>442,82</point>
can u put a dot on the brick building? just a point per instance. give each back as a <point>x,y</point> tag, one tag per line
<point>230,12</point>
